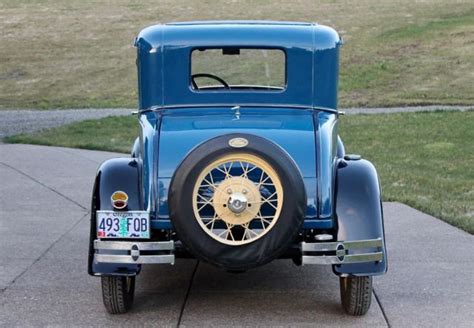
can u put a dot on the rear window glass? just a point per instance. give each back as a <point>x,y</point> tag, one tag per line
<point>232,68</point>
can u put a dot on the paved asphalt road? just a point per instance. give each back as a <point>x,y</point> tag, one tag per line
<point>44,222</point>
<point>17,121</point>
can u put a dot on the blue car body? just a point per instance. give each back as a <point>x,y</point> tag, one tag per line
<point>342,192</point>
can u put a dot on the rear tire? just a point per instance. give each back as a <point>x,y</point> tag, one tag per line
<point>117,293</point>
<point>356,294</point>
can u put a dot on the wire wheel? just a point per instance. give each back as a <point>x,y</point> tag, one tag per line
<point>237,199</point>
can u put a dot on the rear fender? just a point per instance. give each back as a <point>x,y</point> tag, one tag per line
<point>341,151</point>
<point>114,174</point>
<point>359,212</point>
<point>135,148</point>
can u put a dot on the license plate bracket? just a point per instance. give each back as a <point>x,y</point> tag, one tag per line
<point>123,224</point>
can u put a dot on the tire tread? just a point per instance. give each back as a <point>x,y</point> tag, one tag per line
<point>115,296</point>
<point>357,296</point>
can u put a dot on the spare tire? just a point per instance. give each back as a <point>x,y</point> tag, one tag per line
<point>237,201</point>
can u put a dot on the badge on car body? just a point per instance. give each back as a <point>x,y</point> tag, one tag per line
<point>238,142</point>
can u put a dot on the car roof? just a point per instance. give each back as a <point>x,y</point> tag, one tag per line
<point>250,33</point>
<point>239,22</point>
<point>311,50</point>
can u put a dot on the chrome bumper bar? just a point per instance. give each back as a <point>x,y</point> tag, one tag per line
<point>130,252</point>
<point>369,250</point>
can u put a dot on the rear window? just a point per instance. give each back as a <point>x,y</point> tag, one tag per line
<point>233,68</point>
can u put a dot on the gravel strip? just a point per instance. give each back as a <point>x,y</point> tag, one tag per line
<point>410,109</point>
<point>20,121</point>
<point>15,121</point>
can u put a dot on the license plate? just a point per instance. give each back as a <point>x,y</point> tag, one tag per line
<point>130,224</point>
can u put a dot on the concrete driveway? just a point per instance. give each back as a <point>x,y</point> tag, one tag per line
<point>44,222</point>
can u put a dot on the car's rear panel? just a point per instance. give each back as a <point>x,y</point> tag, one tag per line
<point>184,129</point>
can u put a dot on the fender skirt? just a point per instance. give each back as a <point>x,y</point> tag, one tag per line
<point>114,174</point>
<point>359,212</point>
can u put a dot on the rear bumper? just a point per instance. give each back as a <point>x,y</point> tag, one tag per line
<point>131,252</point>
<point>343,252</point>
<point>112,257</point>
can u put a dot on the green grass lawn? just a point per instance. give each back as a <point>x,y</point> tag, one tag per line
<point>78,53</point>
<point>424,159</point>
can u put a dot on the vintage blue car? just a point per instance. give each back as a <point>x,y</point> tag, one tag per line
<point>238,162</point>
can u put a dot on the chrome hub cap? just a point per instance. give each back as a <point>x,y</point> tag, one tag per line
<point>237,203</point>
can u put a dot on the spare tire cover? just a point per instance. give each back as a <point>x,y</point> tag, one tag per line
<point>237,201</point>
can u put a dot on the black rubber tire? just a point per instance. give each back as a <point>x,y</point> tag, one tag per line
<point>260,251</point>
<point>356,294</point>
<point>118,293</point>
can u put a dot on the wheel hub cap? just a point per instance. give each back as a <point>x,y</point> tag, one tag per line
<point>237,202</point>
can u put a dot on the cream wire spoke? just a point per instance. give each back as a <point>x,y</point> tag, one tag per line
<point>269,203</point>
<point>221,170</point>
<point>226,170</point>
<point>269,197</point>
<point>227,232</point>
<point>261,177</point>
<point>243,169</point>
<point>203,205</point>
<point>203,198</point>
<point>261,183</point>
<point>253,168</point>
<point>242,166</point>
<point>211,177</point>
<point>246,170</point>
<point>263,218</point>
<point>209,184</point>
<point>230,167</point>
<point>248,231</point>
<point>230,232</point>
<point>212,221</point>
<point>205,202</point>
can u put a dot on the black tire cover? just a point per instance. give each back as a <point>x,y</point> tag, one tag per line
<point>237,257</point>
